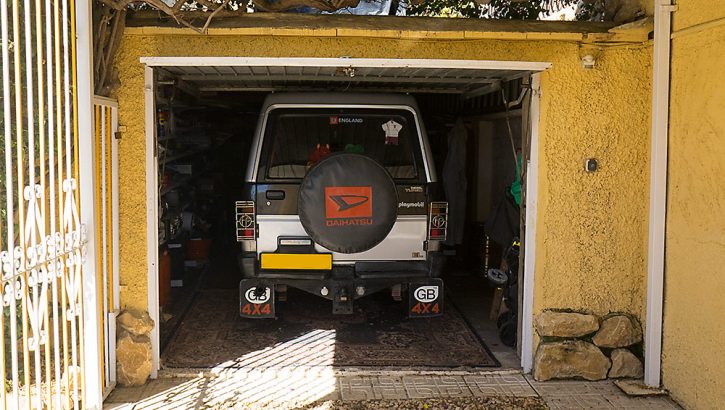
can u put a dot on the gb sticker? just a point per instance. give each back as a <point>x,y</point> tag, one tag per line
<point>426,294</point>
<point>258,295</point>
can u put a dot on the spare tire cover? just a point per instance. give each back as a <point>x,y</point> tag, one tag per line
<point>348,203</point>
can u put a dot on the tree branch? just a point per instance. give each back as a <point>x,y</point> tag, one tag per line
<point>211,16</point>
<point>161,6</point>
<point>284,5</point>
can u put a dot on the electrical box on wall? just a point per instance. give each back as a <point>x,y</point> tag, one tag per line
<point>591,165</point>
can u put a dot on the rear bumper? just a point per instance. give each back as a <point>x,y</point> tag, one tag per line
<point>342,284</point>
<point>342,292</point>
<point>365,270</point>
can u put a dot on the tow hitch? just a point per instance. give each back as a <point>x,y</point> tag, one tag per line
<point>342,302</point>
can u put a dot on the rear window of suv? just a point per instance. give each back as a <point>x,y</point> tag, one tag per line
<point>297,138</point>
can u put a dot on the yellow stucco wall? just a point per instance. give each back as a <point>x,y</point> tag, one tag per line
<point>693,347</point>
<point>592,228</point>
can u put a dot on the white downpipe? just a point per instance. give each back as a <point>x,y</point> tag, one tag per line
<point>658,193</point>
<point>93,377</point>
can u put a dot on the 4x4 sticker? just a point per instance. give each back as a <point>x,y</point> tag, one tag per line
<point>426,299</point>
<point>350,205</point>
<point>257,301</point>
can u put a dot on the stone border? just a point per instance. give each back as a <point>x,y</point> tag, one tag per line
<point>583,345</point>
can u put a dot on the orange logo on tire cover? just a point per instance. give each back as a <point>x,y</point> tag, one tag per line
<point>348,202</point>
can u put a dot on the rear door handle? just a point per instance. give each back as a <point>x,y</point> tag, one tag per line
<point>275,195</point>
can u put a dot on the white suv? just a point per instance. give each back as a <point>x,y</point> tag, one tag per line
<point>340,200</point>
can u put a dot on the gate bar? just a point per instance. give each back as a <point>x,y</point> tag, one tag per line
<point>87,187</point>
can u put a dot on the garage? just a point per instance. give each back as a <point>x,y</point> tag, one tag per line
<point>200,122</point>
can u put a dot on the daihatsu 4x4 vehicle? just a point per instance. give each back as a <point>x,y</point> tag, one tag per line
<point>340,203</point>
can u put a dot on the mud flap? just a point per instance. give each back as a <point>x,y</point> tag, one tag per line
<point>256,299</point>
<point>425,298</point>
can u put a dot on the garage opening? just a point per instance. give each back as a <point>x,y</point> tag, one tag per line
<point>478,131</point>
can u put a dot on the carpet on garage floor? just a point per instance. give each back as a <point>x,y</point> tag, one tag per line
<point>306,333</point>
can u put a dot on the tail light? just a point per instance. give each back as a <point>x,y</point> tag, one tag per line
<point>438,221</point>
<point>246,221</point>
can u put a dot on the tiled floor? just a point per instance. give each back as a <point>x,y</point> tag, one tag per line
<point>595,395</point>
<point>297,387</point>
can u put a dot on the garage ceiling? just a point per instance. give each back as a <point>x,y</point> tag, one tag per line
<point>468,78</point>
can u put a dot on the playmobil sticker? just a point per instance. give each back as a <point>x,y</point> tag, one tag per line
<point>419,204</point>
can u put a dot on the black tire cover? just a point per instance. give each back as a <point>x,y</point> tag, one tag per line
<point>348,203</point>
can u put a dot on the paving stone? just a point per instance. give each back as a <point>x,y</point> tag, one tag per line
<point>570,395</point>
<point>356,388</point>
<point>499,385</point>
<point>387,387</point>
<point>452,386</point>
<point>117,406</point>
<point>420,387</point>
<point>126,394</point>
<point>299,387</point>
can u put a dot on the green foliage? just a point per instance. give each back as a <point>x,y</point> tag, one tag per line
<point>446,8</point>
<point>495,9</point>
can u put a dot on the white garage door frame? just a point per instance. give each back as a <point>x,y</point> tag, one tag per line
<point>535,68</point>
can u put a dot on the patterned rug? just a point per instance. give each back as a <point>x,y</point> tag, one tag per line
<point>307,334</point>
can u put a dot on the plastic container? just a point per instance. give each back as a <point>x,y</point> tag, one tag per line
<point>177,252</point>
<point>164,278</point>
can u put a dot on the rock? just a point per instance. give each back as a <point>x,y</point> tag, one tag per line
<point>622,11</point>
<point>565,324</point>
<point>71,380</point>
<point>618,331</point>
<point>569,359</point>
<point>625,364</point>
<point>133,359</point>
<point>136,322</point>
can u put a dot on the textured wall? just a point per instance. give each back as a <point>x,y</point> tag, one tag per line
<point>591,252</point>
<point>592,228</point>
<point>694,352</point>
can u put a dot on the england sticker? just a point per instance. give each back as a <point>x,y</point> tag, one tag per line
<point>392,129</point>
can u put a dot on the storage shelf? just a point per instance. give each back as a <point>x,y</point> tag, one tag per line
<point>183,155</point>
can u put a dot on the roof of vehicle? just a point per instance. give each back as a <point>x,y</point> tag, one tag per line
<point>335,98</point>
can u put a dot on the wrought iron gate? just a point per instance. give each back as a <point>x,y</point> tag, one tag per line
<point>50,352</point>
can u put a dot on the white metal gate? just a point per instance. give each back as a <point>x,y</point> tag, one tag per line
<point>50,350</point>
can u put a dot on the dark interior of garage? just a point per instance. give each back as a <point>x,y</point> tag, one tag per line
<point>204,133</point>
